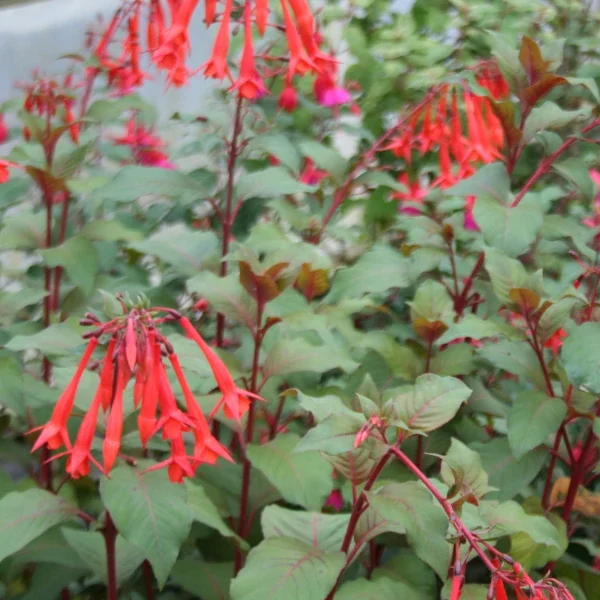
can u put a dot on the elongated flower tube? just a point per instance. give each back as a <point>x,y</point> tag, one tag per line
<point>235,400</point>
<point>54,434</point>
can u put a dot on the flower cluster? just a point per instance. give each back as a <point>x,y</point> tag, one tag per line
<point>137,351</point>
<point>146,147</point>
<point>167,42</point>
<point>47,98</point>
<point>438,127</point>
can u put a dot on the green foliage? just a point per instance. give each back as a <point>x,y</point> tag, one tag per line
<point>427,354</point>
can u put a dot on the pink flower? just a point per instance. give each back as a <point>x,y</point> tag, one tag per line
<point>335,500</point>
<point>311,175</point>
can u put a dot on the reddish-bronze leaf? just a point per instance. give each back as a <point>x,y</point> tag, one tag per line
<point>526,300</point>
<point>532,61</point>
<point>429,330</point>
<point>538,90</point>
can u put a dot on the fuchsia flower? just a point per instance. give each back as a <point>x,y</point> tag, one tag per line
<point>145,146</point>
<point>3,130</point>
<point>4,172</point>
<point>288,100</point>
<point>135,351</point>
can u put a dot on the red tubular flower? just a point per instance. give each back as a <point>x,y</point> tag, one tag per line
<point>54,434</point>
<point>261,14</point>
<point>3,130</point>
<point>500,590</point>
<point>235,399</point>
<point>114,425</point>
<point>147,416</point>
<point>178,463</point>
<point>249,84</point>
<point>207,448</point>
<point>4,172</point>
<point>172,421</point>
<point>556,340</point>
<point>288,100</point>
<point>216,66</point>
<point>78,464</point>
<point>299,63</point>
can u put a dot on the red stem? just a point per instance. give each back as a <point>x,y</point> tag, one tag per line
<point>357,510</point>
<point>547,162</point>
<point>110,539</point>
<point>62,232</point>
<point>577,475</point>
<point>227,221</point>
<point>274,426</point>
<point>227,216</point>
<point>244,522</point>
<point>148,581</point>
<point>461,302</point>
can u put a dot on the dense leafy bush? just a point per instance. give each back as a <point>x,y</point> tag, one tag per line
<point>336,336</point>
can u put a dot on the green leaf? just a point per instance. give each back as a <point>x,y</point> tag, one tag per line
<point>511,230</point>
<point>302,478</point>
<point>469,591</point>
<point>325,532</point>
<point>382,589</point>
<point>206,580</point>
<point>280,146</point>
<point>204,511</point>
<point>110,109</point>
<point>507,474</point>
<point>226,295</point>
<point>411,505</point>
<point>49,580</point>
<point>517,358</point>
<point>26,515</point>
<point>297,355</point>
<point>380,179</point>
<point>575,171</point>
<point>509,518</point>
<point>55,340</point>
<point>323,406</point>
<point>90,546</point>
<point>533,417</point>
<point>183,248</point>
<point>476,328</point>
<point>430,403</point>
<point>334,435</point>
<point>549,116</point>
<point>110,231</point>
<point>272,182</point>
<point>150,512</point>
<point>11,303</point>
<point>491,180</point>
<point>325,158</point>
<point>134,181</point>
<point>505,273</point>
<point>455,360</point>
<point>295,570</point>
<point>581,356</point>
<point>50,547</point>
<point>23,231</point>
<point>377,271</point>
<point>431,302</point>
<point>462,467</point>
<point>405,567</point>
<point>80,260</point>
<point>401,360</point>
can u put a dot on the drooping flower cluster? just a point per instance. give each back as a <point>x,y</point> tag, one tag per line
<point>136,351</point>
<point>119,47</point>
<point>146,147</point>
<point>439,127</point>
